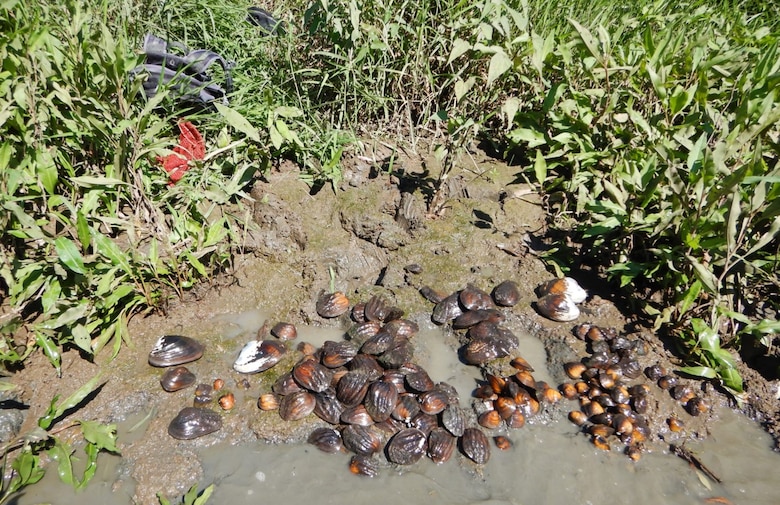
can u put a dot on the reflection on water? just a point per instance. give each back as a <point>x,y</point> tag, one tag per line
<point>550,463</point>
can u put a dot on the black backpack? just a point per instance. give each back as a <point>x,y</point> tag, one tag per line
<point>186,74</point>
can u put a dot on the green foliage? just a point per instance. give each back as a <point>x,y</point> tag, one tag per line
<point>27,467</point>
<point>192,497</point>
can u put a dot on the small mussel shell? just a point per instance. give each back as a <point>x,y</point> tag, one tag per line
<point>312,376</point>
<point>475,446</point>
<point>296,405</point>
<point>177,378</point>
<point>419,381</point>
<point>566,286</point>
<point>473,298</point>
<point>424,422</point>
<point>332,304</point>
<point>357,415</point>
<point>364,465</point>
<point>328,407</point>
<point>447,309</point>
<point>558,308</point>
<point>473,317</point>
<point>502,442</point>
<point>336,354</point>
<point>227,401</point>
<point>697,406</point>
<point>441,445</point>
<point>194,422</point>
<point>361,439</point>
<point>284,331</point>
<point>268,401</point>
<point>203,394</point>
<point>521,363</point>
<point>258,356</point>
<point>506,294</point>
<point>376,309</point>
<point>285,384</point>
<point>480,350</point>
<point>361,332</point>
<point>406,447</point>
<point>380,400</point>
<point>432,295</point>
<point>401,328</point>
<point>406,408</point>
<point>454,420</point>
<point>400,353</point>
<point>326,439</point>
<point>173,350</point>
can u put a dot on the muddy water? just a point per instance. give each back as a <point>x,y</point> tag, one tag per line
<point>549,463</point>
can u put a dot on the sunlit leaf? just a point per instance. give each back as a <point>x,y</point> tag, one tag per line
<point>69,255</point>
<point>499,64</point>
<point>237,121</point>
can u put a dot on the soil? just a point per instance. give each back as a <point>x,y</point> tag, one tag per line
<point>370,236</point>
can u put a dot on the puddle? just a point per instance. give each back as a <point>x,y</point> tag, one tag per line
<point>549,463</point>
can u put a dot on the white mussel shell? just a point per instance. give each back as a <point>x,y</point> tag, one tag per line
<point>564,286</point>
<point>558,308</point>
<point>259,355</point>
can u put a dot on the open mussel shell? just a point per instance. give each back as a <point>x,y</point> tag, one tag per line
<point>258,356</point>
<point>173,350</point>
<point>177,378</point>
<point>475,445</point>
<point>406,447</point>
<point>506,294</point>
<point>194,422</point>
<point>558,307</point>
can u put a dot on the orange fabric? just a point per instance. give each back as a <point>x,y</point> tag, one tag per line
<point>191,147</point>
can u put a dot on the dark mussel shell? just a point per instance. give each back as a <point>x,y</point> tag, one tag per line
<point>406,408</point>
<point>481,350</point>
<point>397,355</point>
<point>326,439</point>
<point>406,447</point>
<point>328,407</point>
<point>475,446</point>
<point>419,381</point>
<point>258,356</point>
<point>506,294</point>
<point>367,365</point>
<point>352,388</point>
<point>424,422</point>
<point>361,439</point>
<point>194,422</point>
<point>357,415</point>
<point>454,420</point>
<point>364,465</point>
<point>177,378</point>
<point>380,400</point>
<point>285,384</point>
<point>434,401</point>
<point>441,445</point>
<point>312,376</point>
<point>203,394</point>
<point>336,354</point>
<point>473,317</point>
<point>332,304</point>
<point>473,298</point>
<point>360,332</point>
<point>376,309</point>
<point>378,343</point>
<point>173,350</point>
<point>401,328</point>
<point>284,331</point>
<point>447,309</point>
<point>432,295</point>
<point>296,405</point>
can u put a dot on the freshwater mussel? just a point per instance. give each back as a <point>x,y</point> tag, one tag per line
<point>194,422</point>
<point>259,355</point>
<point>177,378</point>
<point>174,350</point>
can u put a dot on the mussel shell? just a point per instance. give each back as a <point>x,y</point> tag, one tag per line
<point>173,350</point>
<point>268,401</point>
<point>453,419</point>
<point>432,295</point>
<point>284,331</point>
<point>361,464</point>
<point>566,286</point>
<point>361,332</point>
<point>401,328</point>
<point>285,384</point>
<point>336,354</point>
<point>406,408</point>
<point>473,298</point>
<point>203,394</point>
<point>194,422</point>
<point>419,381</point>
<point>328,407</point>
<point>357,415</point>
<point>377,344</point>
<point>376,309</point>
<point>406,447</point>
<point>296,405</point>
<point>424,422</point>
<point>434,401</point>
<point>506,294</point>
<point>366,364</point>
<point>326,439</point>
<point>332,304</point>
<point>558,308</point>
<point>397,355</point>
<point>475,446</point>
<point>361,439</point>
<point>177,378</point>
<point>473,317</point>
<point>312,376</point>
<point>258,356</point>
<point>481,350</point>
<point>380,400</point>
<point>447,309</point>
<point>441,445</point>
<point>352,388</point>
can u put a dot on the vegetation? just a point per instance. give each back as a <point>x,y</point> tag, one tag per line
<point>655,128</point>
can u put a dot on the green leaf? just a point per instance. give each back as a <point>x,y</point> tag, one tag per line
<point>239,122</point>
<point>459,47</point>
<point>92,453</point>
<point>705,275</point>
<point>50,349</point>
<point>732,379</point>
<point>82,230</point>
<point>102,435</point>
<point>540,168</point>
<point>89,181</point>
<point>110,250</point>
<point>499,64</point>
<point>587,39</point>
<point>462,87</point>
<point>700,371</point>
<point>28,469</point>
<point>69,255</point>
<point>61,453</point>
<point>70,402</point>
<point>82,338</point>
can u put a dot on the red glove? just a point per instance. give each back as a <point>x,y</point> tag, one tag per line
<point>191,147</point>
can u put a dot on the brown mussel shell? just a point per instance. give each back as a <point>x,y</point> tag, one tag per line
<point>480,350</point>
<point>331,305</point>
<point>376,309</point>
<point>194,422</point>
<point>380,401</point>
<point>434,401</point>
<point>326,439</point>
<point>361,332</point>
<point>259,356</point>
<point>378,343</point>
<point>473,298</point>
<point>328,407</point>
<point>175,379</point>
<point>352,388</point>
<point>284,331</point>
<point>453,419</point>
<point>558,308</point>
<point>366,364</point>
<point>336,354</point>
<point>361,439</point>
<point>173,350</point>
<point>419,381</point>
<point>312,376</point>
<point>447,309</point>
<point>506,294</point>
<point>441,445</point>
<point>406,447</point>
<point>357,415</point>
<point>364,465</point>
<point>475,446</point>
<point>406,408</point>
<point>268,401</point>
<point>296,405</point>
<point>285,384</point>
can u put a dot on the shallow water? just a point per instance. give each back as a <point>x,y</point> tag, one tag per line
<point>549,463</point>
